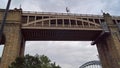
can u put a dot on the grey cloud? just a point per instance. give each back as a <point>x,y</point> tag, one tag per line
<point>69,54</point>
<point>3,4</point>
<point>111,6</point>
<point>16,3</point>
<point>76,6</point>
<point>31,5</point>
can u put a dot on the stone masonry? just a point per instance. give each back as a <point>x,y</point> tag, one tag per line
<point>109,47</point>
<point>13,37</point>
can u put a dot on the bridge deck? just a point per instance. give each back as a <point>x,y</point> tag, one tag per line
<point>60,26</point>
<point>60,34</point>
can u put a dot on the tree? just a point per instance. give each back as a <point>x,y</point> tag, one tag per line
<point>33,62</point>
<point>26,62</point>
<point>53,65</point>
<point>45,61</point>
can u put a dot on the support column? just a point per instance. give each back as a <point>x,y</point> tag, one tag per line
<point>22,47</point>
<point>12,34</point>
<point>12,44</point>
<point>109,47</point>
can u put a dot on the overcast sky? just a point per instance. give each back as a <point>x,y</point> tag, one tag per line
<point>68,54</point>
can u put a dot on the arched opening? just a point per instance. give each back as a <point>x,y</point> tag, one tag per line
<point>60,42</point>
<point>68,54</point>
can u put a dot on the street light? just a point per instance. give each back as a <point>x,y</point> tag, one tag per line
<point>4,19</point>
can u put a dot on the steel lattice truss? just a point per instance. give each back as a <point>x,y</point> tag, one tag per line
<point>91,64</point>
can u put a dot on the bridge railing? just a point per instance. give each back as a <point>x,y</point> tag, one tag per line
<point>55,13</point>
<point>70,14</point>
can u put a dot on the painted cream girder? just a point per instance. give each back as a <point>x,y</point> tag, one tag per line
<point>47,20</point>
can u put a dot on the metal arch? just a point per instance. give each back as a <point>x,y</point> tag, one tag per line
<point>61,18</point>
<point>90,63</point>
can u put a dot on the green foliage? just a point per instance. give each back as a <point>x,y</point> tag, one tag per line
<point>53,65</point>
<point>19,63</point>
<point>26,62</point>
<point>33,62</point>
<point>45,61</point>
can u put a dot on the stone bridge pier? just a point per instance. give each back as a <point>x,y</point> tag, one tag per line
<point>13,39</point>
<point>109,47</point>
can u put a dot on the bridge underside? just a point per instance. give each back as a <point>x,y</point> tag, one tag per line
<point>59,35</point>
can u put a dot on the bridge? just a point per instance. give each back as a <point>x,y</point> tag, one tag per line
<point>23,26</point>
<point>54,26</point>
<point>91,64</point>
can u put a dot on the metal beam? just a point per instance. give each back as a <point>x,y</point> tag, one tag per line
<point>118,25</point>
<point>103,35</point>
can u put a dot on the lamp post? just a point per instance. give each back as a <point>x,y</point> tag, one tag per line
<point>4,19</point>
